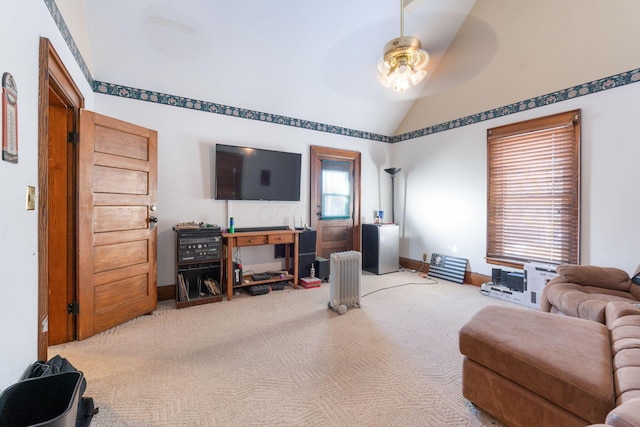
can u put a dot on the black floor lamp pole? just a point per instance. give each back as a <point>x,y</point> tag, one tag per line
<point>393,199</point>
<point>393,172</point>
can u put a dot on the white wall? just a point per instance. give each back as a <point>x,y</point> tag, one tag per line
<point>26,21</point>
<point>186,140</point>
<point>511,50</point>
<point>443,196</point>
<point>74,13</point>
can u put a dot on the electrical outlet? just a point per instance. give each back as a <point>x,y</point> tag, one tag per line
<point>424,257</point>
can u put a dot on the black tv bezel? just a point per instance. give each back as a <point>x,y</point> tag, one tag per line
<point>259,150</point>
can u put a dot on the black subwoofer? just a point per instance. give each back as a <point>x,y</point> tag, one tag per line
<point>305,261</point>
<point>322,268</point>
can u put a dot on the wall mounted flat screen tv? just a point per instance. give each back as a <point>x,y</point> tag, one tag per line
<point>244,173</point>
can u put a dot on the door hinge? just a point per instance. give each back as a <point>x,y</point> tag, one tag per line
<point>73,308</point>
<point>73,138</point>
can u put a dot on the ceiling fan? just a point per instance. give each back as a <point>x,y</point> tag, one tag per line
<point>404,61</point>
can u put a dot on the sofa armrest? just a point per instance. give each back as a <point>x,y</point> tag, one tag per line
<point>545,305</point>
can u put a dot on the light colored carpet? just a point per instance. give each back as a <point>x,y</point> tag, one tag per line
<point>285,359</point>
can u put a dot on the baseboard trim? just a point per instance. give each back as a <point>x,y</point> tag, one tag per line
<point>413,264</point>
<point>476,279</point>
<point>166,292</point>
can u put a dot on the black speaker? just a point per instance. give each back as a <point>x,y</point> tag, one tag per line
<point>515,281</point>
<point>322,268</point>
<point>306,252</point>
<point>307,242</point>
<point>496,276</point>
<point>305,261</point>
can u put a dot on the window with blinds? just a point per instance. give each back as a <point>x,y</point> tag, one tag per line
<point>533,196</point>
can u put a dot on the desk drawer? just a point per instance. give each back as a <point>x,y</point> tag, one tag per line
<point>275,239</point>
<point>250,240</point>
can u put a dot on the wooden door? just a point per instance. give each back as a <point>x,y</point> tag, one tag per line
<point>337,226</point>
<point>59,104</point>
<point>116,225</point>
<point>60,231</point>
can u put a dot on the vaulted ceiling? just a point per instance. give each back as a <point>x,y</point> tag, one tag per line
<point>311,60</point>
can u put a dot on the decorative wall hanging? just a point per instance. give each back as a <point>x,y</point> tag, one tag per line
<point>447,267</point>
<point>9,119</point>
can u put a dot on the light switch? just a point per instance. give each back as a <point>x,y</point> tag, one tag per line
<point>31,198</point>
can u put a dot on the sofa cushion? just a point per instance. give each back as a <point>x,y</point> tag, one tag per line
<point>624,322</point>
<point>625,374</point>
<point>620,313</point>
<point>564,360</point>
<point>628,331</point>
<point>626,357</point>
<point>626,381</point>
<point>585,302</point>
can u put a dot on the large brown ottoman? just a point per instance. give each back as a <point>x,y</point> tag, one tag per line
<point>531,368</point>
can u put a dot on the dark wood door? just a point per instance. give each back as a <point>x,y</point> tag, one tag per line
<point>117,171</point>
<point>335,203</point>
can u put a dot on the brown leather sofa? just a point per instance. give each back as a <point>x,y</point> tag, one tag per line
<point>584,290</point>
<point>536,369</point>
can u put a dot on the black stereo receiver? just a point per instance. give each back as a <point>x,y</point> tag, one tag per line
<point>199,246</point>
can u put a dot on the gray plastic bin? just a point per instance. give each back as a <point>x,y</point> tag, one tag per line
<point>42,401</point>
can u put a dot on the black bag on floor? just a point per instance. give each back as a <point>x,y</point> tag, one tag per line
<point>55,365</point>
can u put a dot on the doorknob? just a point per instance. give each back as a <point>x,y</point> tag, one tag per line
<point>152,222</point>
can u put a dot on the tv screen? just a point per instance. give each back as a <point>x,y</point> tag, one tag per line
<point>244,173</point>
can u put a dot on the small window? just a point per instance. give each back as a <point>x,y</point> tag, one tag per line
<point>533,196</point>
<point>336,190</point>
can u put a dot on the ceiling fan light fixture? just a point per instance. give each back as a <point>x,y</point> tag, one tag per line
<point>417,76</point>
<point>404,61</point>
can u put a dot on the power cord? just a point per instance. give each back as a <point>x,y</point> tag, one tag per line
<point>419,270</point>
<point>237,256</point>
<point>432,282</point>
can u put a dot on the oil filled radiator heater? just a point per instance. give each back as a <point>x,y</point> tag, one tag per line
<point>345,273</point>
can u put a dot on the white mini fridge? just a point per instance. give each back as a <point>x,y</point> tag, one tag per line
<point>380,248</point>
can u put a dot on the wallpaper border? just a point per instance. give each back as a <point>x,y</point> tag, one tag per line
<point>595,86</point>
<point>227,110</point>
<point>113,89</point>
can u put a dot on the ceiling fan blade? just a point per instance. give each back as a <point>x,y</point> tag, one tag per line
<point>411,5</point>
